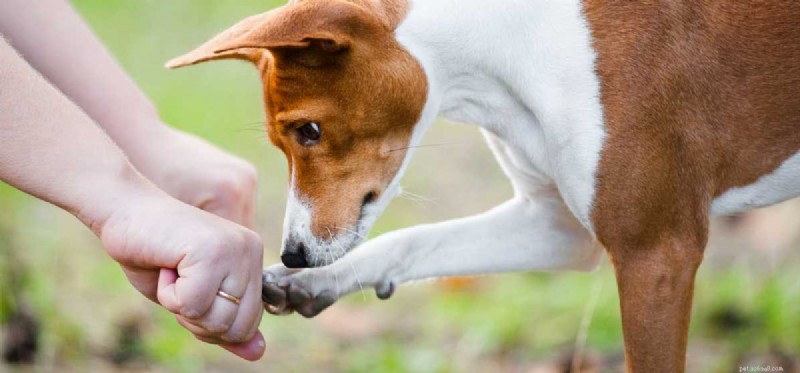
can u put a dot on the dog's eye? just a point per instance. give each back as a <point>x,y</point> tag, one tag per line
<point>308,134</point>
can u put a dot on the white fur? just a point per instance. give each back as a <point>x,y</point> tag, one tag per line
<point>322,250</point>
<point>778,186</point>
<point>534,87</point>
<point>535,94</point>
<point>319,250</point>
<point>522,70</point>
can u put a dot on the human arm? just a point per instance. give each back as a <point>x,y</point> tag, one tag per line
<point>69,56</point>
<point>174,254</point>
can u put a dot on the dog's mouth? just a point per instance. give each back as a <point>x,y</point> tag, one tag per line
<point>340,240</point>
<point>306,249</point>
<point>326,252</point>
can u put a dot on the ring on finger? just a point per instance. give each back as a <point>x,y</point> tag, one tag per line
<point>228,297</point>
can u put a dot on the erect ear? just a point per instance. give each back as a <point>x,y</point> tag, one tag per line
<point>325,28</point>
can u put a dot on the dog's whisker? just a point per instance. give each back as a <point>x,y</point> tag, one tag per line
<point>333,259</point>
<point>423,146</point>
<point>417,196</point>
<point>418,199</point>
<point>260,123</point>
<point>249,130</point>
<point>254,125</point>
<point>351,231</point>
<point>355,273</point>
<point>410,198</point>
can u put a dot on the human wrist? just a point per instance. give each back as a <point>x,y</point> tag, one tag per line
<point>116,188</point>
<point>132,132</point>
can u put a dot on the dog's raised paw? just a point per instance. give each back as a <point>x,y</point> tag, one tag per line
<point>274,297</point>
<point>287,290</point>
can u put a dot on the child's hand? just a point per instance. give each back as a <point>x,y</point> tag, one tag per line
<point>180,257</point>
<point>196,172</point>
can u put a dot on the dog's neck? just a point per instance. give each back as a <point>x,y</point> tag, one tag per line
<point>522,70</point>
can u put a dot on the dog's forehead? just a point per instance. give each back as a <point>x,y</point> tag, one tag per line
<point>311,95</point>
<point>357,89</point>
<point>374,86</point>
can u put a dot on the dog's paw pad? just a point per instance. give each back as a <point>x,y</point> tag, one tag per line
<point>384,290</point>
<point>273,295</point>
<point>298,297</point>
<point>317,304</point>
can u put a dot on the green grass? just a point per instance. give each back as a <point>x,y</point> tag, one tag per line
<point>502,323</point>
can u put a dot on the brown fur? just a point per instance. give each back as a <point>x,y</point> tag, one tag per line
<point>336,63</point>
<point>699,97</point>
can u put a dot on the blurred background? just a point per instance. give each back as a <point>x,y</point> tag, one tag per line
<point>66,307</point>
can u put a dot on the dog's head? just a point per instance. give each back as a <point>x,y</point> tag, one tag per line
<point>343,98</point>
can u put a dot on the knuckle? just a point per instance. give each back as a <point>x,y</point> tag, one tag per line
<point>252,244</point>
<point>219,251</point>
<point>249,175</point>
<point>239,183</point>
<point>229,188</point>
<point>253,240</point>
<point>245,245</point>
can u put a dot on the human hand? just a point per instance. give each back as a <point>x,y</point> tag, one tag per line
<point>179,256</point>
<point>196,172</point>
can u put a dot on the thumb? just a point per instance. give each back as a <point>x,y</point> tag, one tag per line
<point>167,295</point>
<point>251,350</point>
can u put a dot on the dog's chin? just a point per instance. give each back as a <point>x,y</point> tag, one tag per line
<point>328,252</point>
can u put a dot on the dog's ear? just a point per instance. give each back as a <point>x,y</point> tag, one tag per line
<point>306,32</point>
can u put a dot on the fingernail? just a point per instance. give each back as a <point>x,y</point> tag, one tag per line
<point>261,344</point>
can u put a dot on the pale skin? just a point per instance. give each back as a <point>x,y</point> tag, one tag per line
<point>173,210</point>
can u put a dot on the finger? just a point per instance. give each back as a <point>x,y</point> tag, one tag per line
<point>251,350</point>
<point>249,313</point>
<point>166,294</point>
<point>196,290</point>
<point>199,332</point>
<point>219,318</point>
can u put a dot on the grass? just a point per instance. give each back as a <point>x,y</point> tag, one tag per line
<point>508,322</point>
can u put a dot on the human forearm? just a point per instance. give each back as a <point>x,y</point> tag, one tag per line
<point>57,43</point>
<point>52,150</point>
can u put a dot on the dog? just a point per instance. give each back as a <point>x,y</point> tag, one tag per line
<point>623,126</point>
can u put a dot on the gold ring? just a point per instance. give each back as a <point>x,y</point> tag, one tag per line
<point>229,297</point>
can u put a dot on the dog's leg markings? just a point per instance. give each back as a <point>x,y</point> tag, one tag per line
<point>655,288</point>
<point>521,234</point>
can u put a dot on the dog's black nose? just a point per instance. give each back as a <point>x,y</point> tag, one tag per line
<point>295,257</point>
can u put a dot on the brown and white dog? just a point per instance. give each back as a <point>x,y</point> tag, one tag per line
<point>625,122</point>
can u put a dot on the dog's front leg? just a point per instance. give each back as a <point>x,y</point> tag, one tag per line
<point>521,234</point>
